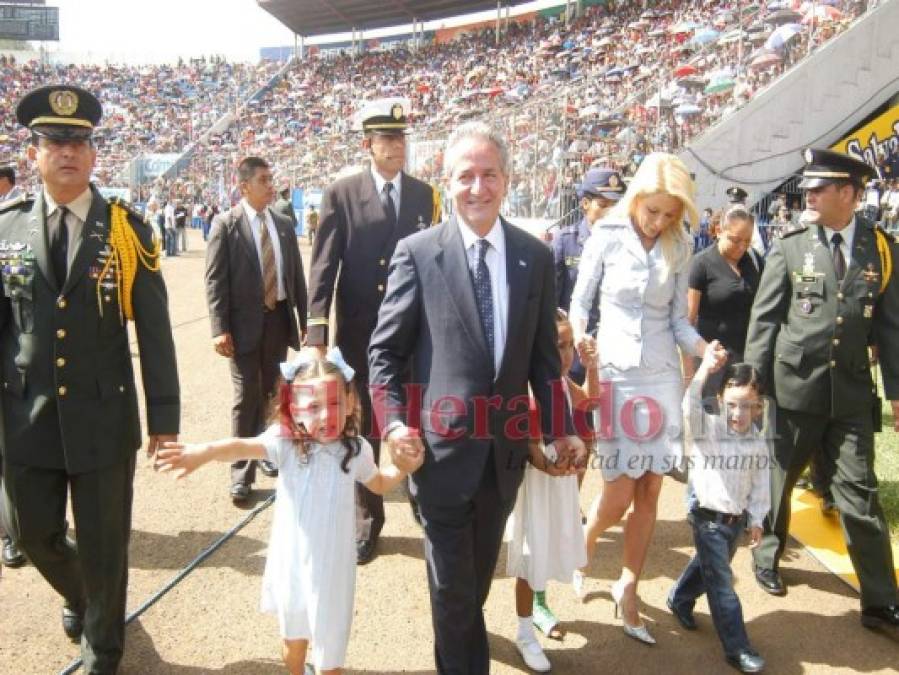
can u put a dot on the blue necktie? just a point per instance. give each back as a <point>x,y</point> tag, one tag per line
<point>483,294</point>
<point>389,204</point>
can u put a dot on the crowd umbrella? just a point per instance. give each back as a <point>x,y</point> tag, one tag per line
<point>783,16</point>
<point>822,13</point>
<point>687,110</point>
<point>720,85</point>
<point>783,35</point>
<point>705,35</point>
<point>765,61</point>
<point>685,70</point>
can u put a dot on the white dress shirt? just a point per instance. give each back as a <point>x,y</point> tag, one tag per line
<point>848,234</point>
<point>253,217</point>
<point>729,472</point>
<point>78,209</point>
<point>495,259</point>
<point>397,183</point>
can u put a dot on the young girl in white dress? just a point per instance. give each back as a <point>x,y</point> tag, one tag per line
<point>310,570</point>
<point>547,540</point>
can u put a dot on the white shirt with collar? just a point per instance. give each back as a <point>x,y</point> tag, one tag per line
<point>253,217</point>
<point>396,181</point>
<point>495,259</point>
<point>848,234</point>
<point>78,209</point>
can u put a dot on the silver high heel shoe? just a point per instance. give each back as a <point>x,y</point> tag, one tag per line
<point>639,633</point>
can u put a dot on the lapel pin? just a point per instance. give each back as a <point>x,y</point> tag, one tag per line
<point>522,263</point>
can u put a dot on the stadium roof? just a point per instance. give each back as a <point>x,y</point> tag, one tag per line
<point>320,17</point>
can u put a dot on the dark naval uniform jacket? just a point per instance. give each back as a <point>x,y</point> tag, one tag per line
<point>810,334</point>
<point>68,394</point>
<point>352,249</point>
<point>568,245</point>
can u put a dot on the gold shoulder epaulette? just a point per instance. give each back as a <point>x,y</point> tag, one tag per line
<point>885,251</point>
<point>129,207</point>
<point>127,253</point>
<point>21,199</point>
<point>796,229</point>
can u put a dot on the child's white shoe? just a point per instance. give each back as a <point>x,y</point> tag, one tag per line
<point>579,583</point>
<point>533,655</point>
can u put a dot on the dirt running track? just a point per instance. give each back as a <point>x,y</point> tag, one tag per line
<point>209,623</point>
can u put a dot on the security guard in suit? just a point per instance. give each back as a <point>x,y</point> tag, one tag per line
<point>363,216</point>
<point>75,270</point>
<point>828,292</point>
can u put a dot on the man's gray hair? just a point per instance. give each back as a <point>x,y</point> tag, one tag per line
<point>737,213</point>
<point>479,130</point>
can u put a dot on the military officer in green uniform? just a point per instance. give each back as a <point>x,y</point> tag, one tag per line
<point>828,292</point>
<point>75,270</point>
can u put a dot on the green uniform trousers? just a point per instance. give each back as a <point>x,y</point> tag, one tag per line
<point>848,448</point>
<point>92,577</point>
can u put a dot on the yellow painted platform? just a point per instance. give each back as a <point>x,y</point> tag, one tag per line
<point>822,536</point>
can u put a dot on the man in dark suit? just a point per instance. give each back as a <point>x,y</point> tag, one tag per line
<point>472,305</point>
<point>255,289</point>
<point>284,206</point>
<point>70,421</point>
<point>363,217</point>
<point>828,292</point>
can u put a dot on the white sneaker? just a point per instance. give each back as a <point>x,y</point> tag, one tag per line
<point>578,583</point>
<point>533,655</point>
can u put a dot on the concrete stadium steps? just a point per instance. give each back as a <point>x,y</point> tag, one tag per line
<point>814,104</point>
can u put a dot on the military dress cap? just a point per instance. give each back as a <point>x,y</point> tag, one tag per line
<point>60,111</point>
<point>384,116</point>
<point>823,167</point>
<point>736,195</point>
<point>601,182</point>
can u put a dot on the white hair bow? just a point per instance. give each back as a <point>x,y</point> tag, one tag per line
<point>306,358</point>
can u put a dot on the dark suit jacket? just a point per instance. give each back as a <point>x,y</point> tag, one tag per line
<point>355,239</point>
<point>284,207</point>
<point>56,345</point>
<point>234,280</point>
<point>430,315</point>
<point>810,334</point>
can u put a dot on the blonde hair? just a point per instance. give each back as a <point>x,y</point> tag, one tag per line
<point>663,173</point>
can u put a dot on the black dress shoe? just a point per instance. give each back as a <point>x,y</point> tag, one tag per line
<point>828,505</point>
<point>268,469</point>
<point>769,580</point>
<point>240,492</point>
<point>684,618</point>
<point>72,624</point>
<point>12,556</point>
<point>876,617</point>
<point>365,551</point>
<point>747,661</point>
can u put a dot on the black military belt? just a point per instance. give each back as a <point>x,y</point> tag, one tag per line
<point>713,516</point>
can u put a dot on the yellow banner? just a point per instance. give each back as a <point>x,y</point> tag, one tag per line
<point>877,139</point>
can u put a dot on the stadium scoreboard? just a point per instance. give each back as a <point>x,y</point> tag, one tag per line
<point>28,22</point>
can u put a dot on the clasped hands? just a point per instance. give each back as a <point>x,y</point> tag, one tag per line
<point>406,449</point>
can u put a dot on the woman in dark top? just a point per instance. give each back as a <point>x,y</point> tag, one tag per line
<point>723,281</point>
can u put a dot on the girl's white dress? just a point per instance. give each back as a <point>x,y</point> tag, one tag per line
<point>310,571</point>
<point>546,539</point>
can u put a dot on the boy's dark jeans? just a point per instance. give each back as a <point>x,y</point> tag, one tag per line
<point>709,572</point>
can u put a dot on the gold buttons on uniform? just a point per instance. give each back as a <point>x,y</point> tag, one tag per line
<point>840,295</point>
<point>61,303</point>
<point>836,342</point>
<point>60,362</point>
<point>382,262</point>
<point>839,321</point>
<point>60,333</point>
<point>833,364</point>
<point>62,390</point>
<point>380,288</point>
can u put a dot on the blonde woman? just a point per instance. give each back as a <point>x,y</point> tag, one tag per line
<point>636,259</point>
